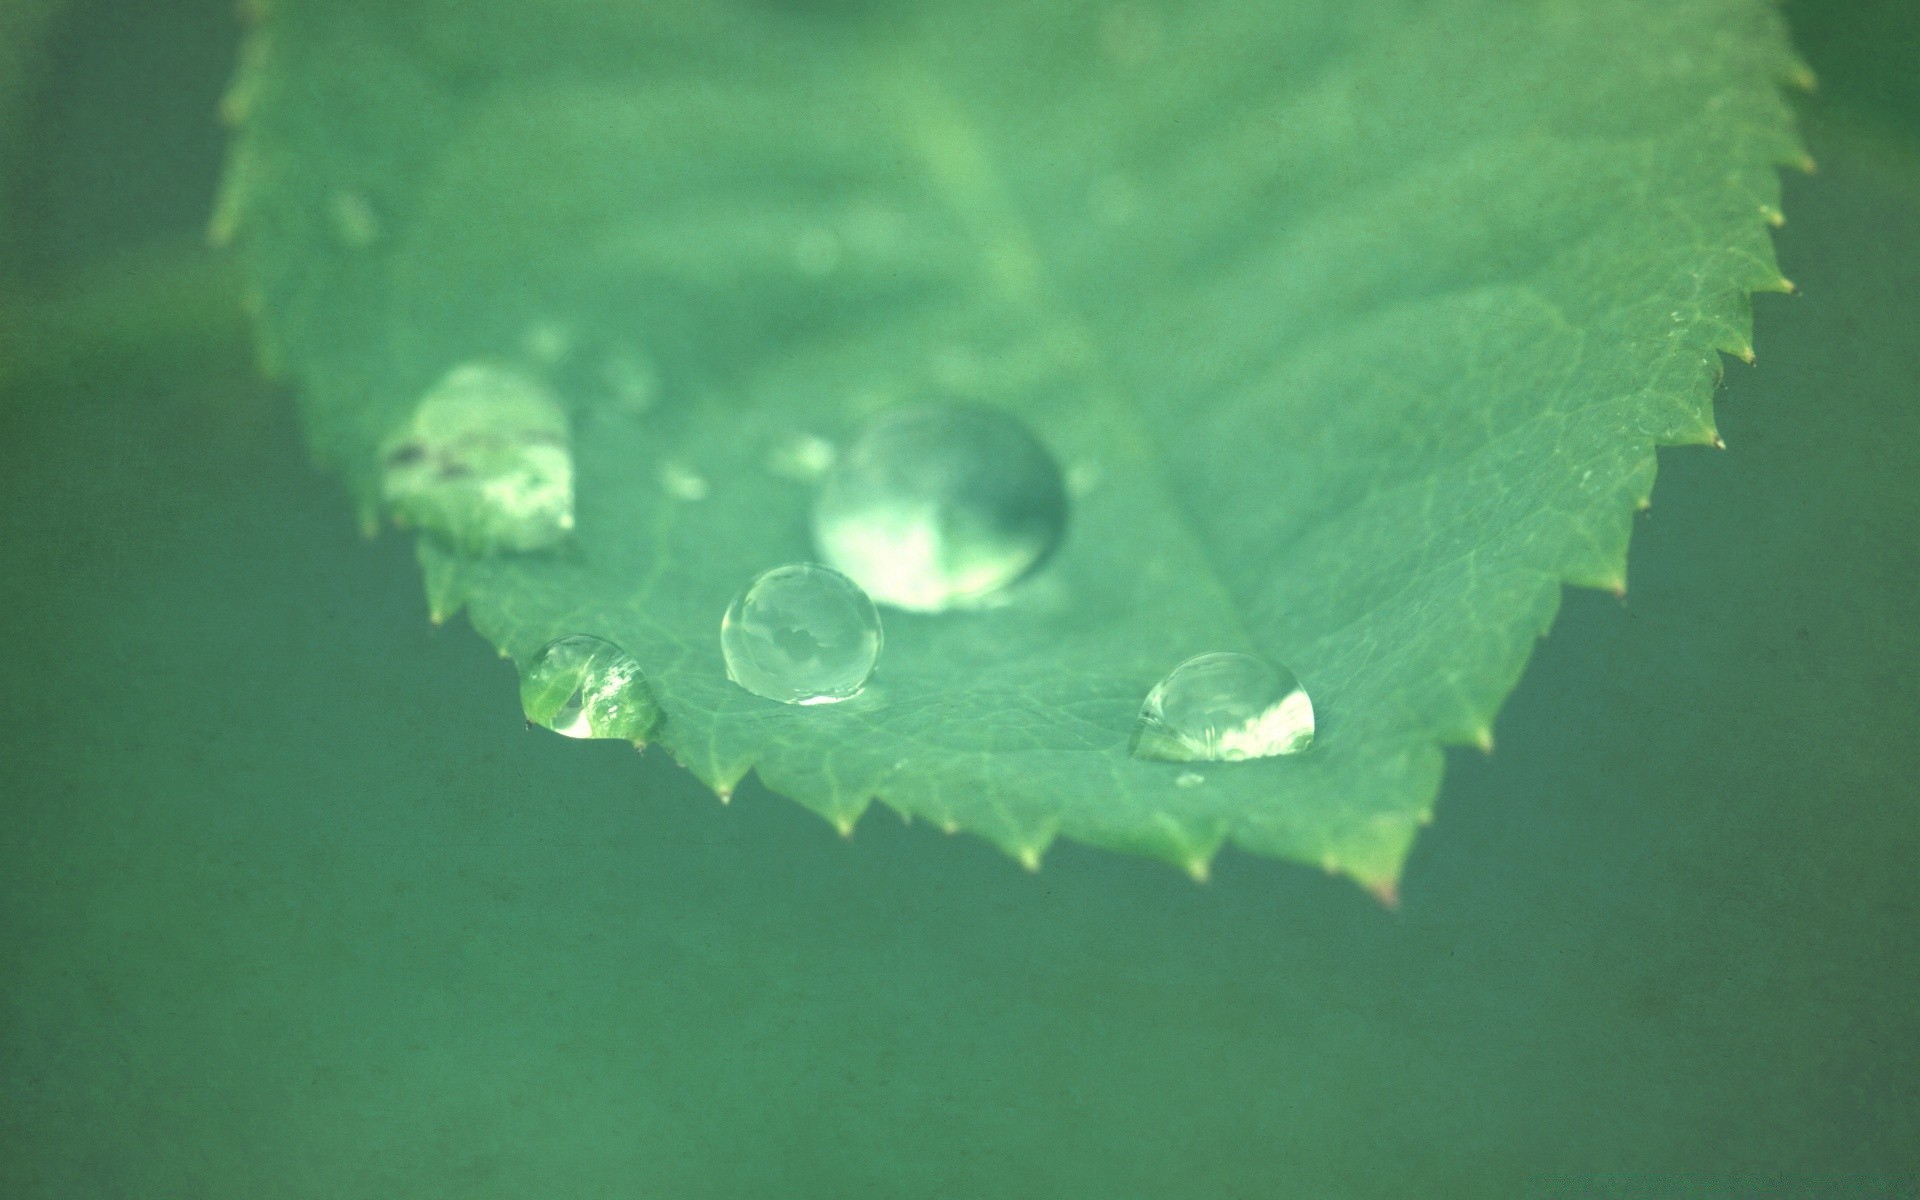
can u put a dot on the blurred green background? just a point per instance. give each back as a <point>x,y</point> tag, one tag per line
<point>291,905</point>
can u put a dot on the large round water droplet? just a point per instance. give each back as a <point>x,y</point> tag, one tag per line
<point>939,507</point>
<point>1224,708</point>
<point>801,634</point>
<point>484,462</point>
<point>587,687</point>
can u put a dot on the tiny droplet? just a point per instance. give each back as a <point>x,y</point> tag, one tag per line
<point>1224,707</point>
<point>801,634</point>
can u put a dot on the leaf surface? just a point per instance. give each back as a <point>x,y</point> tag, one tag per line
<point>1354,326</point>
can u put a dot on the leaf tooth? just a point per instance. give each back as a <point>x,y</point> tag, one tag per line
<point>1483,739</point>
<point>1386,891</point>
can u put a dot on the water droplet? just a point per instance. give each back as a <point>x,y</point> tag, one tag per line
<point>1224,708</point>
<point>683,482</point>
<point>355,222</point>
<point>801,634</point>
<point>939,507</point>
<point>484,462</point>
<point>802,458</point>
<point>587,687</point>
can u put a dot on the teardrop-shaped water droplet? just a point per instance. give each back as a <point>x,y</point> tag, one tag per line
<point>801,634</point>
<point>587,687</point>
<point>484,462</point>
<point>1224,707</point>
<point>939,507</point>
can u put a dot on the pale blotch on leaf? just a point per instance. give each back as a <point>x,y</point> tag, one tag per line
<point>586,687</point>
<point>683,482</point>
<point>1224,707</point>
<point>940,507</point>
<point>485,462</point>
<point>802,458</point>
<point>801,634</point>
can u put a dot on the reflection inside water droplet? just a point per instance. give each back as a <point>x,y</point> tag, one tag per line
<point>586,687</point>
<point>484,462</point>
<point>1224,707</point>
<point>801,634</point>
<point>939,507</point>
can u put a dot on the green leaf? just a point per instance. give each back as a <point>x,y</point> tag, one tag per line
<point>1355,323</point>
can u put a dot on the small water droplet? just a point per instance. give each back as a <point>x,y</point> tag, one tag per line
<point>587,687</point>
<point>1189,779</point>
<point>484,462</point>
<point>1082,478</point>
<point>802,458</point>
<point>940,507</point>
<point>354,220</point>
<point>1224,707</point>
<point>683,482</point>
<point>801,634</point>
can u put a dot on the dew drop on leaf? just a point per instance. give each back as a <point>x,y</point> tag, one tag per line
<point>801,634</point>
<point>939,507</point>
<point>1224,707</point>
<point>484,462</point>
<point>587,687</point>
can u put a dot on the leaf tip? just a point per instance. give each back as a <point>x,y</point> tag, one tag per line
<point>1807,165</point>
<point>1482,740</point>
<point>1199,869</point>
<point>1802,77</point>
<point>1386,891</point>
